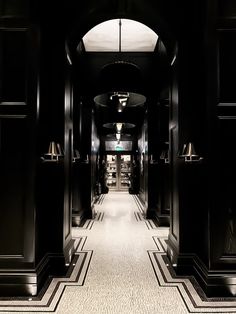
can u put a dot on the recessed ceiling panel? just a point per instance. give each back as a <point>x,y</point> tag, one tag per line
<point>120,35</point>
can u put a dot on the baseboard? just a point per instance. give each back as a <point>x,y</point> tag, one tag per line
<point>162,220</point>
<point>28,282</point>
<point>159,219</point>
<point>214,283</point>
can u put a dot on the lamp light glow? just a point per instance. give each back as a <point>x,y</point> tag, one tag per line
<point>118,135</point>
<point>119,127</point>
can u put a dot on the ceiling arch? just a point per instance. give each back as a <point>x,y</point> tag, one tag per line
<point>157,16</point>
<point>123,35</point>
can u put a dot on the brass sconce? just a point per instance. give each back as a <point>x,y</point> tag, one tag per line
<point>189,153</point>
<point>153,161</point>
<point>54,153</point>
<point>76,156</point>
<point>165,156</point>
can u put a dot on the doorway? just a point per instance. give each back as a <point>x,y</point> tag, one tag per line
<point>118,168</point>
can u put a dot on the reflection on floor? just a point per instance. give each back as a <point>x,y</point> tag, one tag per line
<point>120,266</point>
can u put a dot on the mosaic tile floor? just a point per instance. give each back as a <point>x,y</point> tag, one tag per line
<point>120,266</point>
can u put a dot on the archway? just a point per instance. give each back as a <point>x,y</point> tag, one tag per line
<point>132,70</point>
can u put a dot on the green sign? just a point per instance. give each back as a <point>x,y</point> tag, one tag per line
<point>119,148</point>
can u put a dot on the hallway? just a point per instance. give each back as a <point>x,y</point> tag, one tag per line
<point>119,267</point>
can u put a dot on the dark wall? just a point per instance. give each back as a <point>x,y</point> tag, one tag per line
<point>18,120</point>
<point>35,111</point>
<point>222,101</point>
<point>143,163</point>
<point>35,196</point>
<point>188,228</point>
<point>95,161</point>
<point>85,168</point>
<point>55,108</point>
<point>158,147</point>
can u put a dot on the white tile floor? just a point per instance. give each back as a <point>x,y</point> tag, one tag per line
<point>119,268</point>
<point>120,278</point>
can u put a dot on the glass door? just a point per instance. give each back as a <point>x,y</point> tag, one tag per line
<point>118,172</point>
<point>124,172</point>
<point>112,177</point>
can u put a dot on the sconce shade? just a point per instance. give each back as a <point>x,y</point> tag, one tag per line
<point>125,125</point>
<point>55,152</point>
<point>164,154</point>
<point>52,150</point>
<point>111,99</point>
<point>189,150</point>
<point>59,150</point>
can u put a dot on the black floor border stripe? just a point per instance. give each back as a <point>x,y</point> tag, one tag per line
<point>46,307</point>
<point>183,284</point>
<point>174,284</point>
<point>100,199</point>
<point>159,244</point>
<point>137,201</point>
<point>147,225</point>
<point>177,284</point>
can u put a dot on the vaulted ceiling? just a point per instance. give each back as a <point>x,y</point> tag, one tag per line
<point>116,62</point>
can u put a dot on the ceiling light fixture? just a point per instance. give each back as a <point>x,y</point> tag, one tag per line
<point>118,135</point>
<point>119,127</point>
<point>120,99</point>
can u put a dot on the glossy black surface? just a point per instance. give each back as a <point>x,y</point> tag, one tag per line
<point>194,59</point>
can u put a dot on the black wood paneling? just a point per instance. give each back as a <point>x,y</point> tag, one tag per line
<point>143,163</point>
<point>227,66</point>
<point>13,8</point>
<point>13,62</point>
<point>13,185</point>
<point>18,93</point>
<point>223,234</point>
<point>227,8</point>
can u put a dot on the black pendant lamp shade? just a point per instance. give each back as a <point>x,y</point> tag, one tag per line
<point>113,125</point>
<point>120,99</point>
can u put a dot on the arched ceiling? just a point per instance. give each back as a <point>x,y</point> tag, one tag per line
<point>120,35</point>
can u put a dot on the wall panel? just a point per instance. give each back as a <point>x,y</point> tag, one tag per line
<point>224,216</point>
<point>227,8</point>
<point>227,66</point>
<point>13,184</point>
<point>13,63</point>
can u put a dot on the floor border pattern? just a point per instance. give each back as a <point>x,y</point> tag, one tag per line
<point>192,295</point>
<point>138,203</point>
<point>48,300</point>
<point>100,199</point>
<point>148,222</point>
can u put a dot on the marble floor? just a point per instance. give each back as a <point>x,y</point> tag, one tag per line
<point>120,266</point>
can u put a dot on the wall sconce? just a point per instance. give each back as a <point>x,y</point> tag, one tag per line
<point>165,156</point>
<point>76,156</point>
<point>189,153</point>
<point>85,160</point>
<point>60,152</point>
<point>54,153</point>
<point>121,99</point>
<point>152,160</point>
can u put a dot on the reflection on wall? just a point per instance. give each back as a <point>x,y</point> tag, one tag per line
<point>230,236</point>
<point>95,144</point>
<point>143,163</point>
